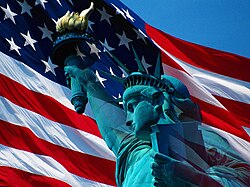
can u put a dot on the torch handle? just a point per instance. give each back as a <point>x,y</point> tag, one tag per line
<point>79,97</point>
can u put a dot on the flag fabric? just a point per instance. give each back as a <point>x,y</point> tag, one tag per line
<point>44,142</point>
<point>218,82</point>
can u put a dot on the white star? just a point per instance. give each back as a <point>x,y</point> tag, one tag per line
<point>118,11</point>
<point>128,15</point>
<point>46,32</point>
<point>41,2</point>
<point>140,35</point>
<point>124,40</point>
<point>90,23</point>
<point>49,66</point>
<point>94,49</point>
<point>99,78</point>
<point>71,2</point>
<point>13,46</point>
<point>111,71</point>
<point>145,64</point>
<point>119,96</point>
<point>79,53</point>
<point>29,40</point>
<point>25,8</point>
<point>106,46</point>
<point>9,14</point>
<point>59,2</point>
<point>105,15</point>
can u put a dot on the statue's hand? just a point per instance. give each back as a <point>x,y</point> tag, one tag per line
<point>74,20</point>
<point>170,172</point>
<point>166,170</point>
<point>84,77</point>
<point>162,169</point>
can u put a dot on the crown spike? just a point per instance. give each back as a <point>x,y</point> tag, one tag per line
<point>157,73</point>
<point>119,62</point>
<point>121,65</point>
<point>139,64</point>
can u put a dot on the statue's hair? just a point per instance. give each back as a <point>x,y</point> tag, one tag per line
<point>179,87</point>
<point>139,90</point>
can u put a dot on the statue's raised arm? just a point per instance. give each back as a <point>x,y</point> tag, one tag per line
<point>109,116</point>
<point>83,82</point>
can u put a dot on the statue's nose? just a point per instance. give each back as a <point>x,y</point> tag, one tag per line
<point>129,119</point>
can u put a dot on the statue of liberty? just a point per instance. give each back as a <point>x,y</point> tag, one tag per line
<point>148,101</point>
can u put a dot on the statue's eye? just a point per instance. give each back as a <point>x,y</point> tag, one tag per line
<point>130,107</point>
<point>156,95</point>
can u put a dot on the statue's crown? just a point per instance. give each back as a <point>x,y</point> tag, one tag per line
<point>142,78</point>
<point>138,78</point>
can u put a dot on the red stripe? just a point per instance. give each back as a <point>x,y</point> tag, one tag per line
<point>222,119</point>
<point>11,177</point>
<point>84,165</point>
<point>202,57</point>
<point>45,106</point>
<point>239,109</point>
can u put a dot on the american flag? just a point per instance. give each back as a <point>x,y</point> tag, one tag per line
<point>44,142</point>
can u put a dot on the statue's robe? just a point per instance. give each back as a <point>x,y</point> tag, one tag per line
<point>134,163</point>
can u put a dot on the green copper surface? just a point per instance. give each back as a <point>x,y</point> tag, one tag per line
<point>128,134</point>
<point>153,135</point>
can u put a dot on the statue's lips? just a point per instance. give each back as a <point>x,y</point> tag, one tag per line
<point>133,126</point>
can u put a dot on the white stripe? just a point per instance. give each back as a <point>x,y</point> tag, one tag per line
<point>217,84</point>
<point>34,81</point>
<point>214,83</point>
<point>193,86</point>
<point>53,132</point>
<point>41,165</point>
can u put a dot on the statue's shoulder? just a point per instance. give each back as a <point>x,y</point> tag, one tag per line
<point>131,150</point>
<point>131,145</point>
<point>133,156</point>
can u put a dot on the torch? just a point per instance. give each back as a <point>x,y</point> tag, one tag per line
<point>72,35</point>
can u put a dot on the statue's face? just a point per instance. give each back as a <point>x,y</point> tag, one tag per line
<point>141,114</point>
